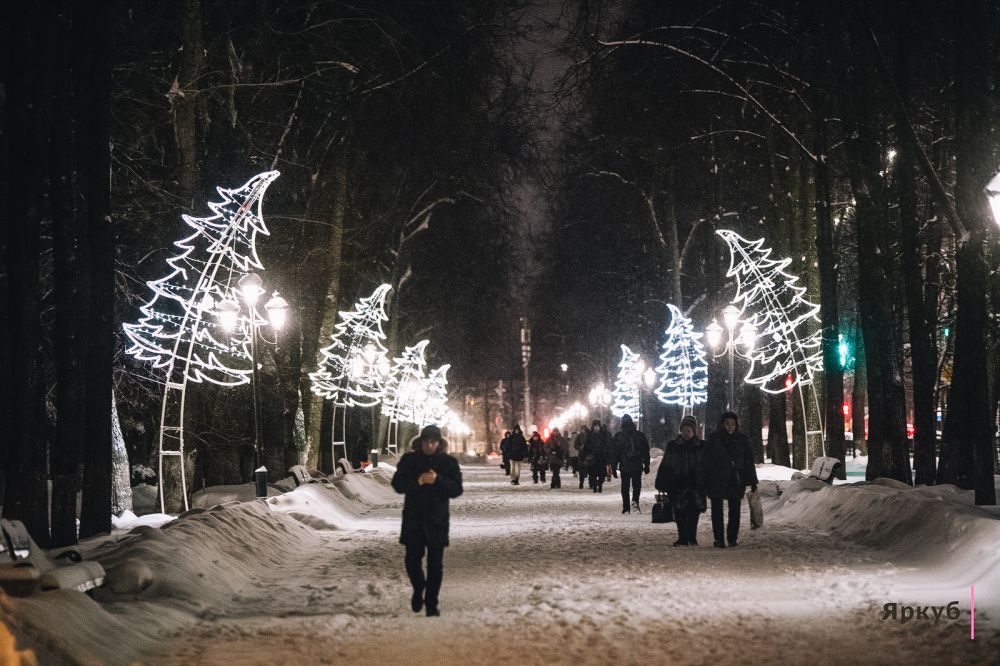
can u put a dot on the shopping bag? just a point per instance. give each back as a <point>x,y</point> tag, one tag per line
<point>756,510</point>
<point>663,512</point>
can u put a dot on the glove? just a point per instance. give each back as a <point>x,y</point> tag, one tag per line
<point>645,470</point>
<point>753,488</point>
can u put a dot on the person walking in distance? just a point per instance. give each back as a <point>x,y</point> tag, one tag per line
<point>595,450</point>
<point>678,478</point>
<point>504,460</point>
<point>555,453</point>
<point>517,449</point>
<point>536,455</point>
<point>727,468</point>
<point>630,456</point>
<point>429,478</point>
<point>579,465</point>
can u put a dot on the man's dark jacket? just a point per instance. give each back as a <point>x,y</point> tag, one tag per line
<point>425,509</point>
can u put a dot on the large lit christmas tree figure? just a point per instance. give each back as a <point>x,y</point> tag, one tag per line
<point>683,369</point>
<point>355,368</point>
<point>405,391</point>
<point>627,397</point>
<point>789,338</point>
<point>174,331</point>
<point>770,299</point>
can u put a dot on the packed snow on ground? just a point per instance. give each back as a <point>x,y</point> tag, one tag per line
<point>536,575</point>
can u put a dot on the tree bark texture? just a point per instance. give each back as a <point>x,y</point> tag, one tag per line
<point>967,456</point>
<point>27,86</point>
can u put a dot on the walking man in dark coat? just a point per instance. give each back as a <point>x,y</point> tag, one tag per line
<point>429,477</point>
<point>727,468</point>
<point>517,449</point>
<point>678,478</point>
<point>595,452</point>
<point>630,456</point>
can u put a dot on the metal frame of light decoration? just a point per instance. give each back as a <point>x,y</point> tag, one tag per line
<point>174,332</point>
<point>355,369</point>
<point>627,393</point>
<point>776,307</point>
<point>683,368</point>
<point>406,381</point>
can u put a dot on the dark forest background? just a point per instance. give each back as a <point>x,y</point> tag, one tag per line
<point>855,137</point>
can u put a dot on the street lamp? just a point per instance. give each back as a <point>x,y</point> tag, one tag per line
<point>993,192</point>
<point>747,337</point>
<point>600,397</point>
<point>250,288</point>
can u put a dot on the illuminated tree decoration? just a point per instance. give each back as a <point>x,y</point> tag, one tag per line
<point>174,326</point>
<point>406,390</point>
<point>770,299</point>
<point>683,368</point>
<point>626,394</point>
<point>355,366</point>
<point>435,406</point>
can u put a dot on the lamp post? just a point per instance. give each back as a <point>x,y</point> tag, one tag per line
<point>747,336</point>
<point>250,288</point>
<point>648,381</point>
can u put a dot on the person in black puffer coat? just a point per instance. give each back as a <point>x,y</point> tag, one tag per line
<point>429,477</point>
<point>727,468</point>
<point>517,449</point>
<point>595,455</point>
<point>678,478</point>
<point>536,454</point>
<point>630,457</point>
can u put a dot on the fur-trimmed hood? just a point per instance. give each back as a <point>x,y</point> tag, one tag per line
<point>442,445</point>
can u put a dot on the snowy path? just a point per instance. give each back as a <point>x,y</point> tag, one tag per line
<point>560,576</point>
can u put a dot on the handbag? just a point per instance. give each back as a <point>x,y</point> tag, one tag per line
<point>663,512</point>
<point>756,510</point>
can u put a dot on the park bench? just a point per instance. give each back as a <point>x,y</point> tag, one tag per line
<point>26,568</point>
<point>823,468</point>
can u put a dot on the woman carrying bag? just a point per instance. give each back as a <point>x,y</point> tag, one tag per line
<point>678,478</point>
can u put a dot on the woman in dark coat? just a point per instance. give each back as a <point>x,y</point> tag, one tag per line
<point>678,478</point>
<point>429,477</point>
<point>555,454</point>
<point>536,454</point>
<point>727,468</point>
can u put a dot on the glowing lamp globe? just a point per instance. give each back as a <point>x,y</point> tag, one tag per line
<point>277,311</point>
<point>227,311</point>
<point>993,192</point>
<point>731,315</point>
<point>748,335</point>
<point>250,287</point>
<point>714,334</point>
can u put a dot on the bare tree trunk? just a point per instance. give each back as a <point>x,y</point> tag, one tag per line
<point>27,108</point>
<point>70,293</point>
<point>92,28</point>
<point>888,451</point>
<point>967,455</point>
<point>184,102</point>
<point>777,433</point>
<point>859,395</point>
<point>319,316</point>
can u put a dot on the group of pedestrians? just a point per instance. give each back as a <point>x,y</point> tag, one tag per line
<point>694,472</point>
<point>542,455</point>
<point>691,471</point>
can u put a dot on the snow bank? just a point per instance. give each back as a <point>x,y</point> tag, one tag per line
<point>338,506</point>
<point>937,527</point>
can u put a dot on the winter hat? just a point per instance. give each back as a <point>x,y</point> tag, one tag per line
<point>689,420</point>
<point>431,432</point>
<point>596,422</point>
<point>729,415</point>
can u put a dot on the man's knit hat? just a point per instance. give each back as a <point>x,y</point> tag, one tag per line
<point>690,421</point>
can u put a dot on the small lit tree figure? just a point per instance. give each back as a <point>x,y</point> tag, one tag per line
<point>435,407</point>
<point>683,369</point>
<point>627,394</point>
<point>174,332</point>
<point>355,366</point>
<point>405,391</point>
